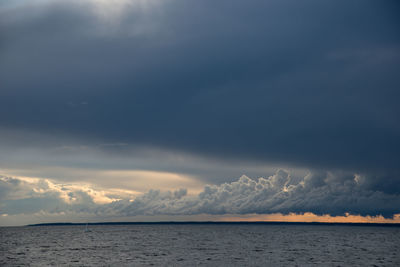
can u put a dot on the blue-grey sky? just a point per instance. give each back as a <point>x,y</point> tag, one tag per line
<point>138,95</point>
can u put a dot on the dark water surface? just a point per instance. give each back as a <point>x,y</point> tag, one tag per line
<point>188,245</point>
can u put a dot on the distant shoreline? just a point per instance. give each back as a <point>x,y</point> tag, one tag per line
<point>218,223</point>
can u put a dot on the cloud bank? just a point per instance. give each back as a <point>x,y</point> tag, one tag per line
<point>319,193</point>
<point>324,193</point>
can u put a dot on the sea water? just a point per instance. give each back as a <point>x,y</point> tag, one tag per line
<point>200,244</point>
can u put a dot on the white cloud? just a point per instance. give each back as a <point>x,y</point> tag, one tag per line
<point>30,195</point>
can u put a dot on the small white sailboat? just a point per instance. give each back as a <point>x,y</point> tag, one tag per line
<point>87,229</point>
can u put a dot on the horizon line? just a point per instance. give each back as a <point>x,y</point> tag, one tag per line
<point>212,222</point>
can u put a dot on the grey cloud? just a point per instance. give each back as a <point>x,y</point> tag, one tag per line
<point>320,193</point>
<point>310,83</point>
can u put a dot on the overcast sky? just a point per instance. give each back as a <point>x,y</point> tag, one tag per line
<point>171,108</point>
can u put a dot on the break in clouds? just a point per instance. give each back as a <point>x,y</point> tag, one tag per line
<point>319,193</point>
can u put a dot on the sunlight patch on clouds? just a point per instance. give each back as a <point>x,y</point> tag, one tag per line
<point>110,11</point>
<point>147,180</point>
<point>108,15</point>
<point>117,180</point>
<point>71,193</point>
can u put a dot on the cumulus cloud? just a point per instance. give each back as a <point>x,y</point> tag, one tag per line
<point>30,195</point>
<point>320,193</point>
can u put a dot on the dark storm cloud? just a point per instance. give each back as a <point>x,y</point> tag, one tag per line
<point>310,83</point>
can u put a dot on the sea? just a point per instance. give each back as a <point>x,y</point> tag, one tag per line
<point>207,244</point>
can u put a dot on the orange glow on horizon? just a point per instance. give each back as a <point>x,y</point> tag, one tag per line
<point>311,217</point>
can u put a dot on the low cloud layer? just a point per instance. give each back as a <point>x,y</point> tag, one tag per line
<point>319,193</point>
<point>323,193</point>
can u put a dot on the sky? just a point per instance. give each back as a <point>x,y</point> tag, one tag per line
<point>147,110</point>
